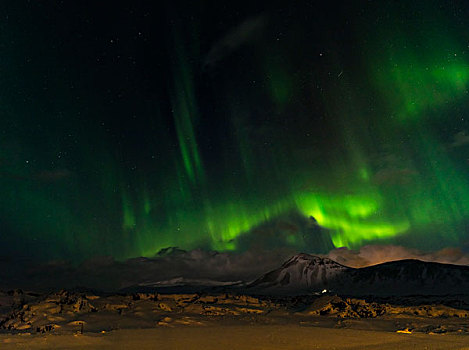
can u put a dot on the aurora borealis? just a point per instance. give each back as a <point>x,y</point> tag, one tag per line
<point>128,127</point>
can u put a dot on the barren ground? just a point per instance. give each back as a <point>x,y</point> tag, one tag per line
<point>238,337</point>
<point>66,320</point>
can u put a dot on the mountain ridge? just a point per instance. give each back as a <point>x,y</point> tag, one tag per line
<point>304,273</point>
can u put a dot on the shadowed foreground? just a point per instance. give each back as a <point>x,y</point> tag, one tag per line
<point>238,337</point>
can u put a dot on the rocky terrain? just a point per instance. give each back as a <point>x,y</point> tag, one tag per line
<point>72,312</point>
<point>307,295</point>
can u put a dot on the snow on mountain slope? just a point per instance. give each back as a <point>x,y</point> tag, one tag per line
<point>306,274</point>
<point>181,281</point>
<point>301,272</point>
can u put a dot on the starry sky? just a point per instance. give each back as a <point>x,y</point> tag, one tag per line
<point>130,126</point>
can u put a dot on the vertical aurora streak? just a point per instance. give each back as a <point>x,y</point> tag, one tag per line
<point>185,116</point>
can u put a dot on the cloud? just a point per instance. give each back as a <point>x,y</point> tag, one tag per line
<point>53,175</point>
<point>43,176</point>
<point>247,31</point>
<point>460,139</point>
<point>293,230</point>
<point>107,274</point>
<point>394,176</point>
<point>377,254</point>
<point>393,169</point>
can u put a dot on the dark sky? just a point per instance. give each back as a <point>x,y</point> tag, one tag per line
<point>130,126</point>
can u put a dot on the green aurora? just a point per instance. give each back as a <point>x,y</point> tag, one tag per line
<point>361,136</point>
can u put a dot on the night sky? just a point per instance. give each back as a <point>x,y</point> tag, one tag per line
<point>131,126</point>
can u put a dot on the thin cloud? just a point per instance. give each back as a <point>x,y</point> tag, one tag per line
<point>460,139</point>
<point>377,254</point>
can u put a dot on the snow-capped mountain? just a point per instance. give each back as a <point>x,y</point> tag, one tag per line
<point>302,272</point>
<point>305,274</point>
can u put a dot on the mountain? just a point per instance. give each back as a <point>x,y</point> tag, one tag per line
<point>181,285</point>
<point>306,274</point>
<point>407,277</point>
<point>302,272</point>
